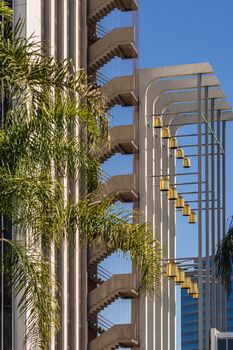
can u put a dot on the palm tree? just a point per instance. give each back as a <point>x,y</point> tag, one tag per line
<point>224,259</point>
<point>45,102</point>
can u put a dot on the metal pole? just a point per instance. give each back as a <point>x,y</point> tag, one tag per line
<point>200,285</point>
<point>219,287</point>
<point>224,214</point>
<point>207,285</point>
<point>213,286</point>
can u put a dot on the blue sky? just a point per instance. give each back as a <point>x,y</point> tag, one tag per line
<point>182,31</point>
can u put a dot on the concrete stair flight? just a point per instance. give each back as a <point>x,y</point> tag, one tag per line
<point>121,90</point>
<point>118,335</point>
<point>97,253</point>
<point>118,42</point>
<point>120,187</point>
<point>121,139</point>
<point>118,286</point>
<point>98,9</point>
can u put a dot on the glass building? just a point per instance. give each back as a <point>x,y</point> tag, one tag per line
<point>189,319</point>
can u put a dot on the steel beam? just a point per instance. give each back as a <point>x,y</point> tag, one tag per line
<point>200,284</point>
<point>213,238</point>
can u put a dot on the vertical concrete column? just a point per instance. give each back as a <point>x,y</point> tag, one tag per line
<point>165,245</point>
<point>30,12</point>
<point>157,222</point>
<point>172,252</point>
<point>143,127</point>
<point>62,255</point>
<point>49,38</point>
<point>149,160</point>
<point>76,338</point>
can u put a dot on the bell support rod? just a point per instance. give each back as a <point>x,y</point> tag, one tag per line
<point>204,208</point>
<point>211,129</point>
<point>178,174</point>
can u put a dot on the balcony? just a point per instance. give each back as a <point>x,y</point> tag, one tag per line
<point>119,42</point>
<point>122,140</point>
<point>98,9</point>
<point>121,90</point>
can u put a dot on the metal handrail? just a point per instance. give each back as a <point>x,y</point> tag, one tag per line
<point>100,273</point>
<point>104,322</point>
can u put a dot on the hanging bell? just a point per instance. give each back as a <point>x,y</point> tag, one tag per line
<point>180,202</point>
<point>195,296</point>
<point>164,184</point>
<point>186,162</point>
<point>179,153</point>
<point>172,194</point>
<point>192,218</point>
<point>157,123</point>
<point>173,143</point>
<point>171,269</point>
<point>187,283</point>
<point>191,289</point>
<point>180,277</point>
<point>194,289</point>
<point>186,211</point>
<point>165,133</point>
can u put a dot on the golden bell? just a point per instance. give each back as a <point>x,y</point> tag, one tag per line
<point>172,194</point>
<point>186,162</point>
<point>187,283</point>
<point>194,289</point>
<point>186,211</point>
<point>193,218</point>
<point>180,277</point>
<point>173,143</point>
<point>164,184</point>
<point>180,202</point>
<point>179,153</point>
<point>157,122</point>
<point>195,296</point>
<point>165,133</point>
<point>171,269</point>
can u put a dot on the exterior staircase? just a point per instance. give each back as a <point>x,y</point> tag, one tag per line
<point>98,9</point>
<point>121,187</point>
<point>112,336</point>
<point>97,253</point>
<point>117,286</point>
<point>120,90</point>
<point>118,42</point>
<point>122,140</point>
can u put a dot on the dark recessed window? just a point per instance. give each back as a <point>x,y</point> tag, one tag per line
<point>222,345</point>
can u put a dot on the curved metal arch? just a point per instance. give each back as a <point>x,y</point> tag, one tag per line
<point>168,99</point>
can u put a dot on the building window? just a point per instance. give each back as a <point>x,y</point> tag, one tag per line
<point>222,344</point>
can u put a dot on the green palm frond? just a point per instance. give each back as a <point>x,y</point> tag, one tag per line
<point>224,259</point>
<point>5,10</point>
<point>29,275</point>
<point>99,221</point>
<point>54,128</point>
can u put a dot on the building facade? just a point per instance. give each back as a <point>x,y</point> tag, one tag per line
<point>100,308</point>
<point>189,319</point>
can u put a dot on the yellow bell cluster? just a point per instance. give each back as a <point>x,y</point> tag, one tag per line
<point>173,144</point>
<point>180,277</point>
<point>180,203</point>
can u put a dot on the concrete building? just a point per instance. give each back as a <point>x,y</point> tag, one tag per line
<point>181,95</point>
